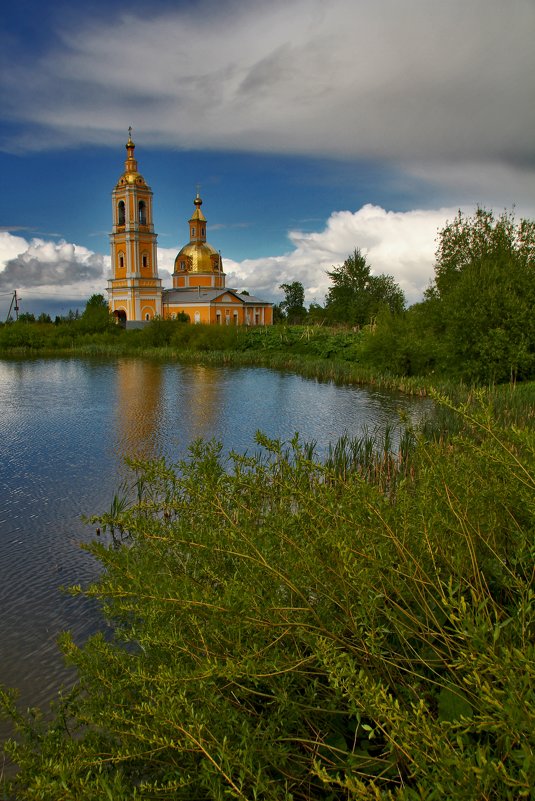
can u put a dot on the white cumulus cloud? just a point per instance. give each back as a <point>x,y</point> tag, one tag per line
<point>47,269</point>
<point>401,244</point>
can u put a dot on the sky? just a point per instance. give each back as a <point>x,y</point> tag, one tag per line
<point>310,128</point>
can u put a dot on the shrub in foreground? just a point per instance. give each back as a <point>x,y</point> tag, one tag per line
<point>283,629</point>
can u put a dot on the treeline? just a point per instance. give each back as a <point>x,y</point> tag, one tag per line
<point>476,321</point>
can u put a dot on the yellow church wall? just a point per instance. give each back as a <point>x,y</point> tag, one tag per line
<point>200,280</point>
<point>229,299</point>
<point>230,313</point>
<point>194,280</point>
<point>148,311</point>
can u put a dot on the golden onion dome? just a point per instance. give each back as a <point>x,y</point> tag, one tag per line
<point>130,174</point>
<point>197,257</point>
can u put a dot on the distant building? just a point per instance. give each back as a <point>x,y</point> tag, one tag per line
<point>135,292</point>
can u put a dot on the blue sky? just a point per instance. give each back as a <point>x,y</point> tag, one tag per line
<point>312,129</point>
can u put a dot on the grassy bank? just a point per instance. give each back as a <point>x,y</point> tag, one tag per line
<point>313,351</point>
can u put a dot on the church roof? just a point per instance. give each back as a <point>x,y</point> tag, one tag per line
<point>196,295</point>
<point>200,256</point>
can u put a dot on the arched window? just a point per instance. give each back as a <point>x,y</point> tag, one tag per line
<point>120,216</point>
<point>121,260</point>
<point>192,232</point>
<point>147,316</point>
<point>144,260</point>
<point>142,213</point>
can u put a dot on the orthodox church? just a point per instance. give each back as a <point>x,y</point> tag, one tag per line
<point>135,292</point>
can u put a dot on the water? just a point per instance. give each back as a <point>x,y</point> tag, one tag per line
<point>65,428</point>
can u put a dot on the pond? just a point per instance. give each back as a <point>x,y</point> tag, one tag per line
<point>66,426</point>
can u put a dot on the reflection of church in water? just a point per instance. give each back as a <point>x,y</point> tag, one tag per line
<point>135,291</point>
<point>178,405</point>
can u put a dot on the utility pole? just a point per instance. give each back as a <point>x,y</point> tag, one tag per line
<point>13,305</point>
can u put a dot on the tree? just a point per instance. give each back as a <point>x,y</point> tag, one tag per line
<point>316,314</point>
<point>293,304</point>
<point>96,316</point>
<point>484,295</point>
<point>356,296</point>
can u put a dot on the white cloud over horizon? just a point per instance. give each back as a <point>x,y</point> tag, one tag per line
<point>429,87</point>
<point>401,244</point>
<point>49,270</point>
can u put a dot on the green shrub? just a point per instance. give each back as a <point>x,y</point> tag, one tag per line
<point>283,629</point>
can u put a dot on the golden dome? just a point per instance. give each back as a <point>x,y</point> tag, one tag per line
<point>197,257</point>
<point>130,174</point>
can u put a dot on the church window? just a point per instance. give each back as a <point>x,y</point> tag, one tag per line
<point>121,260</point>
<point>182,265</point>
<point>142,212</point>
<point>144,260</point>
<point>192,232</point>
<point>121,215</point>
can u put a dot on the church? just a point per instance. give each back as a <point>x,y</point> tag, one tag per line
<point>135,292</point>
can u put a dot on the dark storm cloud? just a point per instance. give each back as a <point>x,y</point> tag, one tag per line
<point>428,80</point>
<point>50,264</point>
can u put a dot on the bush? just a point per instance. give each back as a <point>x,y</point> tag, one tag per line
<point>284,629</point>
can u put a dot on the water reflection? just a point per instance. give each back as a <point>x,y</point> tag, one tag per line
<point>201,396</point>
<point>138,408</point>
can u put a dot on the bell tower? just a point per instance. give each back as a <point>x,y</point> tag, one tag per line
<point>134,290</point>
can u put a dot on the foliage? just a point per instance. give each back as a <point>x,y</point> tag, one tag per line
<point>484,294</point>
<point>96,315</point>
<point>278,314</point>
<point>357,296</point>
<point>293,306</point>
<point>405,344</point>
<point>283,629</point>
